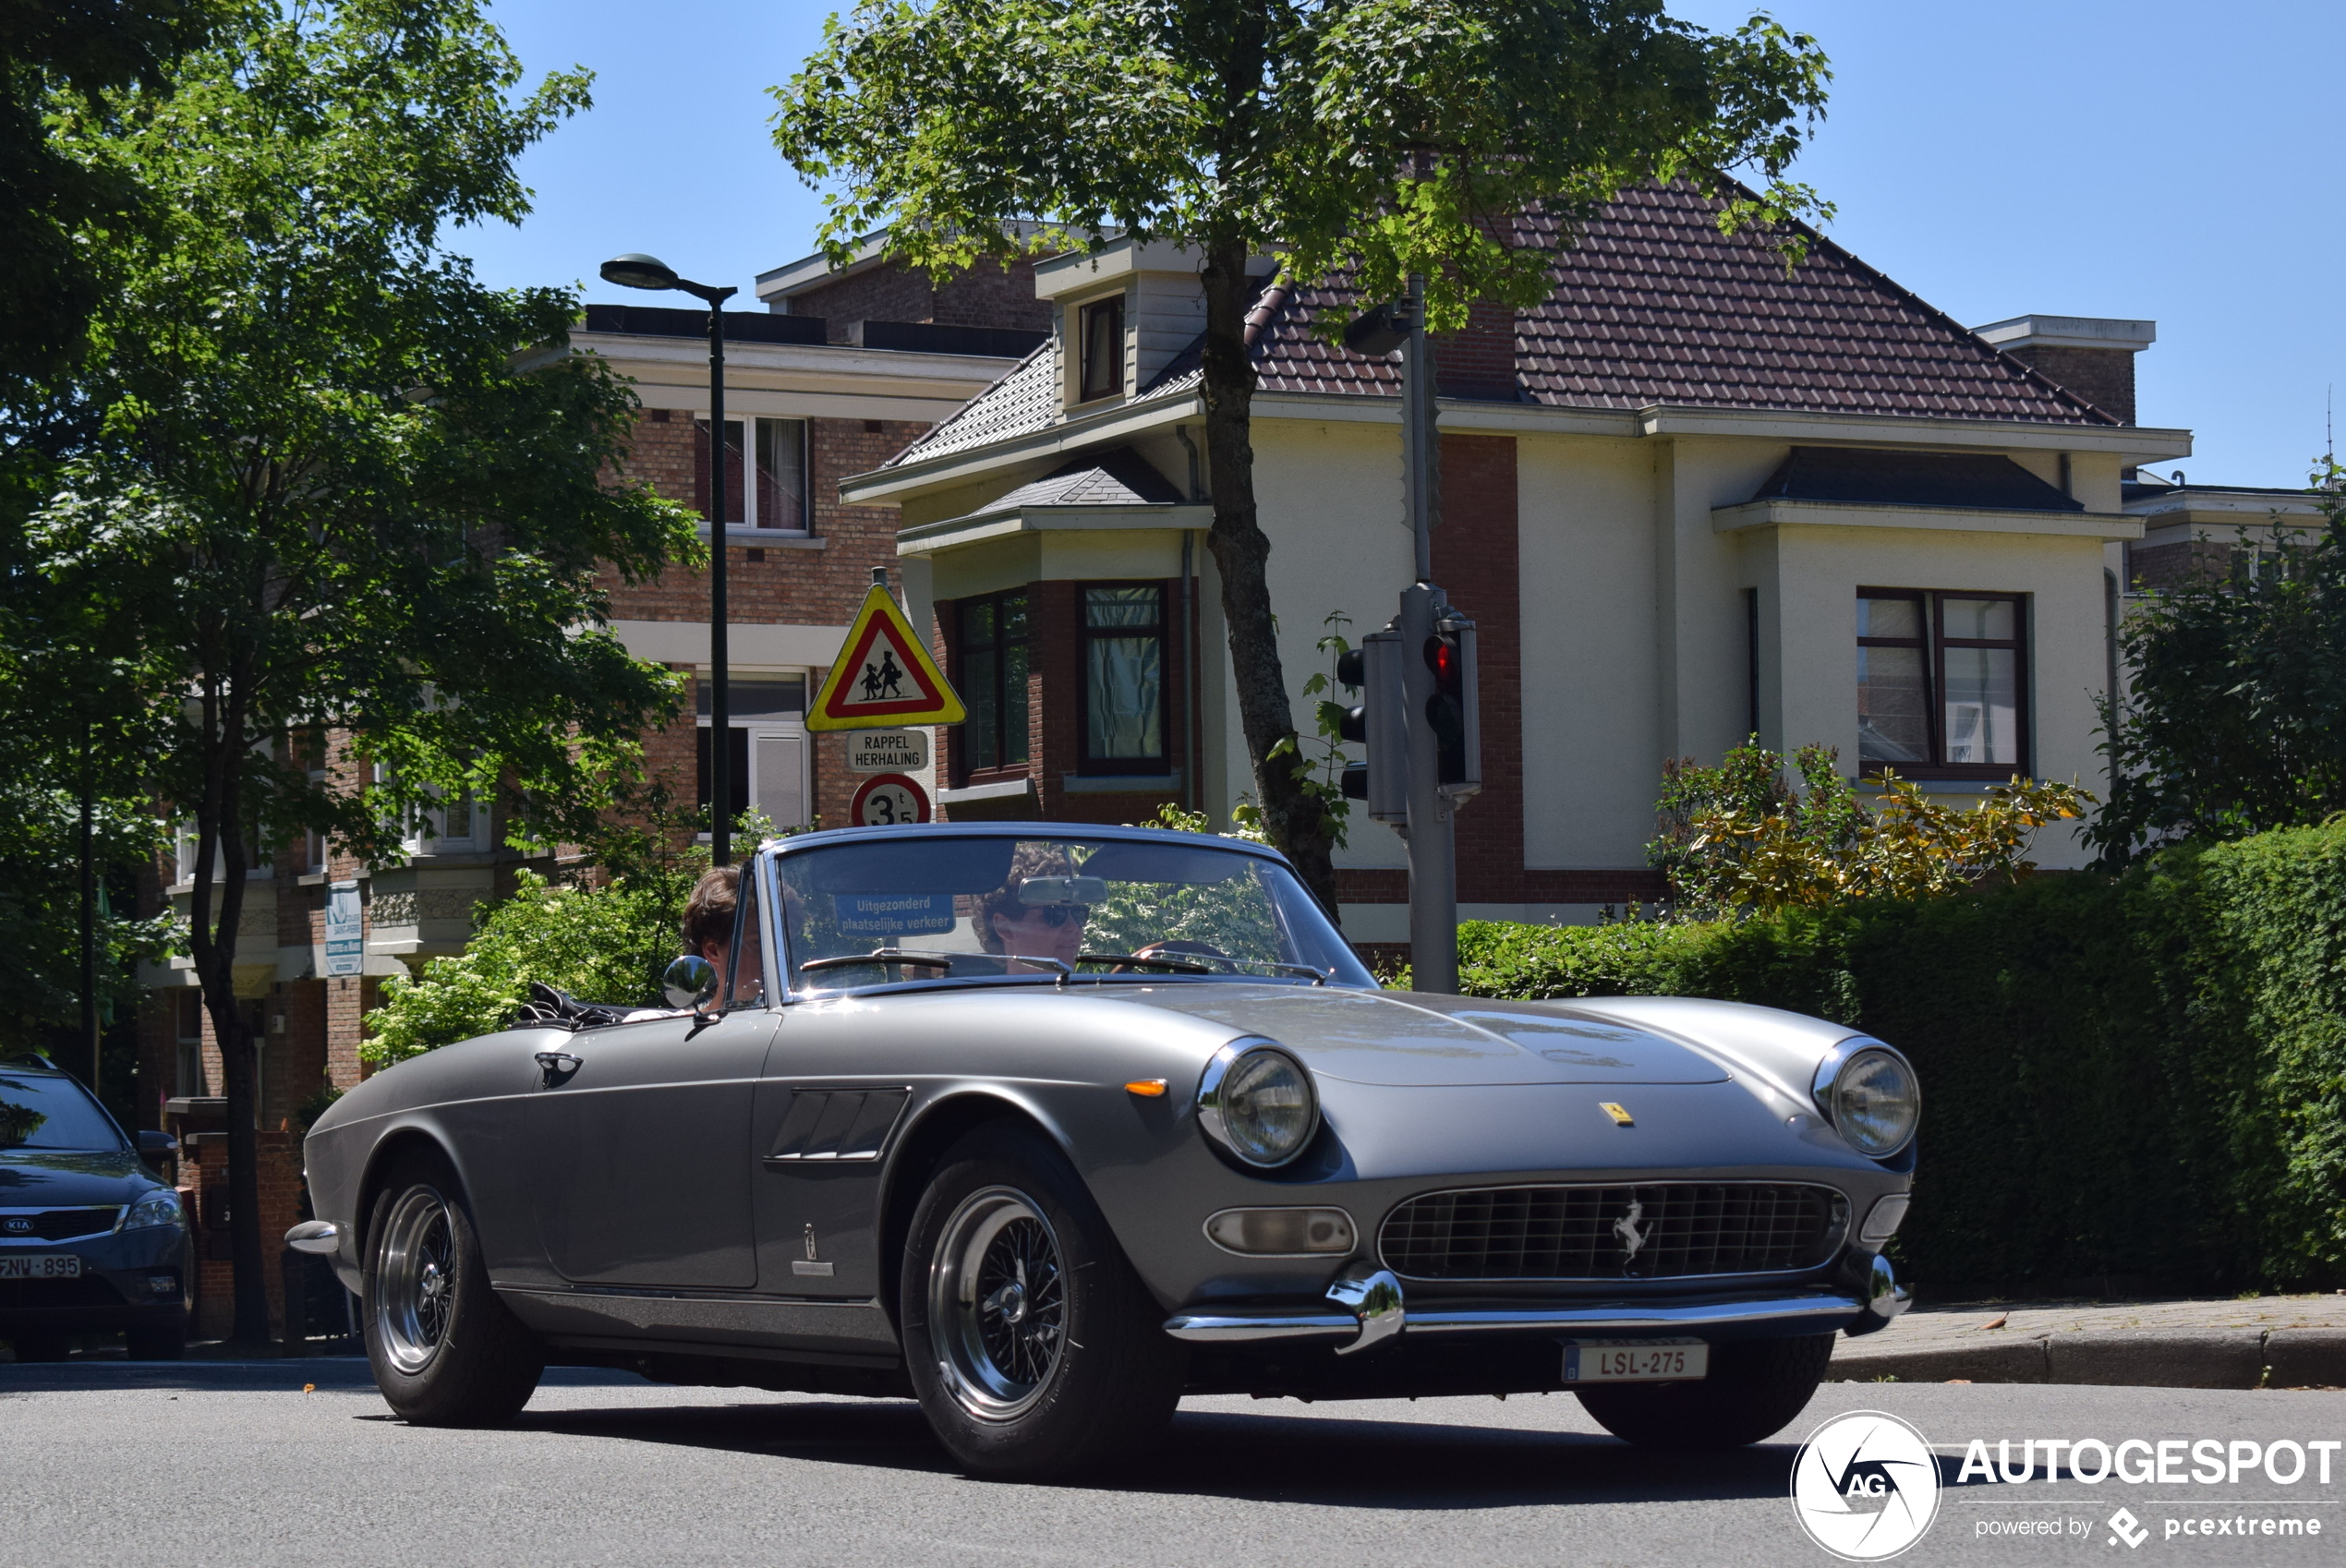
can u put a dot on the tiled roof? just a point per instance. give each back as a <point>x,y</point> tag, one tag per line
<point>1651,305</point>
<point>1121,478</point>
<point>1868,475</point>
<point>1025,399</point>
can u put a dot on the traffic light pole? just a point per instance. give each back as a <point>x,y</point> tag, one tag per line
<point>1433,860</point>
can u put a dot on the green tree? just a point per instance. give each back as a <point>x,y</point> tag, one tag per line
<point>2234,717</point>
<point>344,515</point>
<point>1380,139</point>
<point>56,55</point>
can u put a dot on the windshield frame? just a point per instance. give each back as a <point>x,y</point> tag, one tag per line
<point>779,966</point>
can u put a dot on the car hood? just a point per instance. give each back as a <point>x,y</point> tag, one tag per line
<point>65,1178</point>
<point>1408,1038</point>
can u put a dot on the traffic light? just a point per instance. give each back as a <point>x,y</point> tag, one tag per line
<point>1383,780</point>
<point>1452,711</point>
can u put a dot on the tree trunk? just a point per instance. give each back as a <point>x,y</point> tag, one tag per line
<point>213,936</point>
<point>1297,825</point>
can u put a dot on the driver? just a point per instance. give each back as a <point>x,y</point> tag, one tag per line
<point>1011,926</point>
<point>708,930</point>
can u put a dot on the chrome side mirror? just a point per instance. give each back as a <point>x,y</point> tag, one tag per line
<point>691,981</point>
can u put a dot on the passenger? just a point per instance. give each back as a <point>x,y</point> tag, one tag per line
<point>1011,926</point>
<point>709,917</point>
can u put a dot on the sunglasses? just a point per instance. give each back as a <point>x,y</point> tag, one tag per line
<point>1056,915</point>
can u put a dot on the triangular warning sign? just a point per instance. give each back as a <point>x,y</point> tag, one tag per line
<point>884,675</point>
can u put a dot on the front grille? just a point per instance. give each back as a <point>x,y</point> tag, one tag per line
<point>37,1295</point>
<point>58,1224</point>
<point>1651,1231</point>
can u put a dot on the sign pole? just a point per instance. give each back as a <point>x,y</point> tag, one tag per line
<point>1434,868</point>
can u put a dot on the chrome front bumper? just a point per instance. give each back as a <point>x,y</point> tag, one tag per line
<point>1369,1308</point>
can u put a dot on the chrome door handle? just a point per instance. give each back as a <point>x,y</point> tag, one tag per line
<point>558,1064</point>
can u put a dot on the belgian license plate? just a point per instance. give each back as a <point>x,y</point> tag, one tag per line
<point>1635,1360</point>
<point>40,1266</point>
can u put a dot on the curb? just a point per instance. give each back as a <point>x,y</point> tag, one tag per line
<point>2137,1358</point>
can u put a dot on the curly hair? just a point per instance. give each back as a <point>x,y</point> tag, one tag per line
<point>708,914</point>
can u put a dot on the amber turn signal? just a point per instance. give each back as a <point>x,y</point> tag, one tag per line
<point>1146,1088</point>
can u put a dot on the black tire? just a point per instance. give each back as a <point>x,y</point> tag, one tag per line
<point>41,1346</point>
<point>1035,1350</point>
<point>1755,1390</point>
<point>445,1351</point>
<point>157,1342</point>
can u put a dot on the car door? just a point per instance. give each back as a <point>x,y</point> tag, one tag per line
<point>643,1138</point>
<point>643,1153</point>
<point>825,1112</point>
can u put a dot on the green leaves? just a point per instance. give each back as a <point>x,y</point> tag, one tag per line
<point>333,490</point>
<point>1388,136</point>
<point>2235,720</point>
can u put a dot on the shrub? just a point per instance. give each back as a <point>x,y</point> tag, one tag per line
<point>2141,1076</point>
<point>607,944</point>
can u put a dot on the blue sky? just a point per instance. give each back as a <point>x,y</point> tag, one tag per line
<point>2149,159</point>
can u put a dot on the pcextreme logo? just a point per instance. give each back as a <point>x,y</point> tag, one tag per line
<point>1866,1486</point>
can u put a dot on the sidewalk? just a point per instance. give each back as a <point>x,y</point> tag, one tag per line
<point>2265,1341</point>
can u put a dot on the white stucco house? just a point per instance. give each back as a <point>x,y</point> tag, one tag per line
<point>1687,497</point>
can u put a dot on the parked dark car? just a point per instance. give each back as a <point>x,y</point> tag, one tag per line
<point>1048,1125</point>
<point>90,1240</point>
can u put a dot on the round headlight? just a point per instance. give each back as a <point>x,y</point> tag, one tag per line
<point>1257,1102</point>
<point>1873,1100</point>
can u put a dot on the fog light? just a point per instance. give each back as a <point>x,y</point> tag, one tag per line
<point>1883,1222</point>
<point>163,1285</point>
<point>1281,1233</point>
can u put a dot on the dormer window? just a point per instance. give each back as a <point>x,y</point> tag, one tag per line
<point>1101,331</point>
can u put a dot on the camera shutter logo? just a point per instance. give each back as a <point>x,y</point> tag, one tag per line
<point>1866,1486</point>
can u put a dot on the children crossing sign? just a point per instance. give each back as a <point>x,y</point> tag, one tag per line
<point>884,676</point>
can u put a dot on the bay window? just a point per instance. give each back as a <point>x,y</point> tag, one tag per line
<point>1123,688</point>
<point>991,652</point>
<point>1941,683</point>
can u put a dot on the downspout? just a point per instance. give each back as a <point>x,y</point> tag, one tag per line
<point>1189,635</point>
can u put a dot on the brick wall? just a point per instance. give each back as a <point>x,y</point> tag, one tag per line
<point>989,295</point>
<point>2103,377</point>
<point>1478,362</point>
<point>777,584</point>
<point>1475,560</point>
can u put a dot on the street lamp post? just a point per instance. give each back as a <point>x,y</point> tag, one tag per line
<point>638,270</point>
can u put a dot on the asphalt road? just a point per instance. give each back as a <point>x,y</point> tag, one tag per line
<point>234,1464</point>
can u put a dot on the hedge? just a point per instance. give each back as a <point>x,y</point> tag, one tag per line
<point>2128,1083</point>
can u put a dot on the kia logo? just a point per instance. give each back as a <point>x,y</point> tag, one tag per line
<point>16,1225</point>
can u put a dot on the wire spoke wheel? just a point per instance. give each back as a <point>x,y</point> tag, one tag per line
<point>998,1303</point>
<point>417,1279</point>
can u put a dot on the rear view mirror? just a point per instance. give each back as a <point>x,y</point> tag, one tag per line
<point>691,981</point>
<point>1084,890</point>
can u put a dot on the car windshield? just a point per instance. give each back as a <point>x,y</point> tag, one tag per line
<point>38,1111</point>
<point>959,907</point>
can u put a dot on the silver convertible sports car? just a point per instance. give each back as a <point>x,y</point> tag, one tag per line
<point>1047,1126</point>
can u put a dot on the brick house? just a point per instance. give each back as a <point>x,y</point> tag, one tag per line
<point>1687,497</point>
<point>810,399</point>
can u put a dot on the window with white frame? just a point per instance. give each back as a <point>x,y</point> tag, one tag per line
<point>766,466</point>
<point>766,752</point>
<point>184,841</point>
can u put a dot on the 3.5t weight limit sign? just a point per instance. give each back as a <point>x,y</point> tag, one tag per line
<point>888,800</point>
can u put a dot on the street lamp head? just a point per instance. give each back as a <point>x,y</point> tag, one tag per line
<point>638,270</point>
